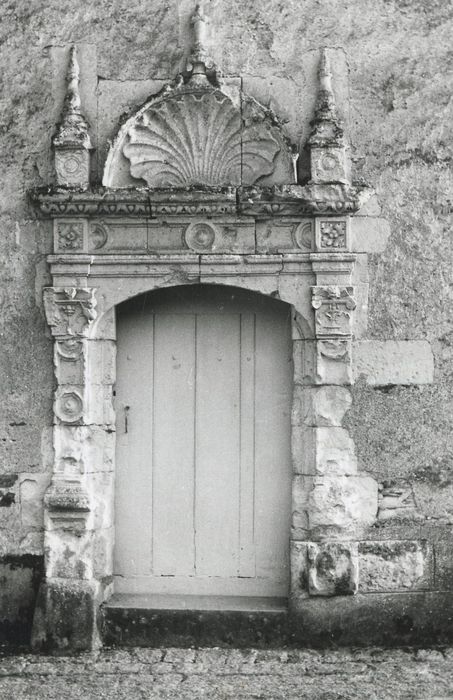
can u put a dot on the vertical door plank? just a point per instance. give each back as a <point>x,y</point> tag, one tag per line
<point>133,481</point>
<point>217,445</point>
<point>247,448</point>
<point>273,471</point>
<point>173,445</point>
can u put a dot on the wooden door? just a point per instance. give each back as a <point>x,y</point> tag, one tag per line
<point>203,482</point>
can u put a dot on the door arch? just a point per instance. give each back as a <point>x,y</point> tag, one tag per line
<point>203,464</point>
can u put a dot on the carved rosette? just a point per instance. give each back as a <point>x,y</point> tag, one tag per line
<point>332,235</point>
<point>70,310</point>
<point>69,236</point>
<point>333,310</point>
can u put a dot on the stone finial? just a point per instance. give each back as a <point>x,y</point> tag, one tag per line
<point>328,154</point>
<point>72,141</point>
<point>199,59</point>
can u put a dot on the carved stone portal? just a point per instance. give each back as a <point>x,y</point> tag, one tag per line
<point>182,203</point>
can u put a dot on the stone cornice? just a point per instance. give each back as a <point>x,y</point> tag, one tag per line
<point>261,202</point>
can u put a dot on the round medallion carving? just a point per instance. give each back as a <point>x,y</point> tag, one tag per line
<point>302,236</point>
<point>71,164</point>
<point>200,236</point>
<point>69,407</point>
<point>328,161</point>
<point>70,349</point>
<point>98,235</point>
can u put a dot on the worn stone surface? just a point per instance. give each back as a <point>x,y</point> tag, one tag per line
<point>324,569</point>
<point>394,566</point>
<point>389,362</point>
<point>334,505</point>
<point>281,673</point>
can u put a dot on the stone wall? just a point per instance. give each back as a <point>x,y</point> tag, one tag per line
<point>390,68</point>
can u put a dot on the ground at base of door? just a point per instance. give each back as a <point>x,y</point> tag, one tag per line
<point>218,674</point>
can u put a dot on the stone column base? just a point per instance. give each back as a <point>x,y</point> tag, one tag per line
<point>66,615</point>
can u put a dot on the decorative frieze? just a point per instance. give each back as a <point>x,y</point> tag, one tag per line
<point>296,201</point>
<point>70,310</point>
<point>333,310</point>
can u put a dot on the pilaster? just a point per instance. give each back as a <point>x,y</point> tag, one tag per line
<point>76,524</point>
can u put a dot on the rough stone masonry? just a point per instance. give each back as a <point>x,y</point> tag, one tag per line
<point>371,553</point>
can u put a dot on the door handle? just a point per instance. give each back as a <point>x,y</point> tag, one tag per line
<point>126,418</point>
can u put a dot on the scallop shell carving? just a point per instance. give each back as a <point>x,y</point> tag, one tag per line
<point>197,139</point>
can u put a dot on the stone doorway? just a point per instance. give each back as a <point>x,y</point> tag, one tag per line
<point>239,216</point>
<point>203,460</point>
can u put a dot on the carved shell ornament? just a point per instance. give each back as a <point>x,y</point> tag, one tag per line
<point>197,138</point>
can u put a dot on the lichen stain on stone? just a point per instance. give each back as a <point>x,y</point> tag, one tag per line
<point>7,499</point>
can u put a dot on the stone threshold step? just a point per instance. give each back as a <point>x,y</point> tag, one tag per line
<point>171,620</point>
<point>197,603</point>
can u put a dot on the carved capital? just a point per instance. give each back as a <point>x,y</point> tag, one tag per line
<point>333,310</point>
<point>70,310</point>
<point>67,506</point>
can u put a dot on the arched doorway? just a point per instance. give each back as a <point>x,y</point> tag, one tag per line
<point>203,467</point>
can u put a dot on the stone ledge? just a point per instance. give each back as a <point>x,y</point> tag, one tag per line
<point>393,362</point>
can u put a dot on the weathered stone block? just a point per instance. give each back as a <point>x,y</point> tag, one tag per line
<point>394,566</point>
<point>101,487</point>
<point>325,405</point>
<point>325,569</point>
<point>332,568</point>
<point>327,451</point>
<point>393,361</point>
<point>443,567</point>
<point>304,361</point>
<point>70,360</point>
<point>103,552</point>
<point>333,361</point>
<point>284,236</point>
<point>83,449</point>
<point>299,573</point>
<point>19,576</point>
<point>299,516</point>
<point>69,555</point>
<point>102,361</point>
<point>396,501</point>
<point>66,615</point>
<point>32,488</point>
<point>337,505</point>
<point>369,234</point>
